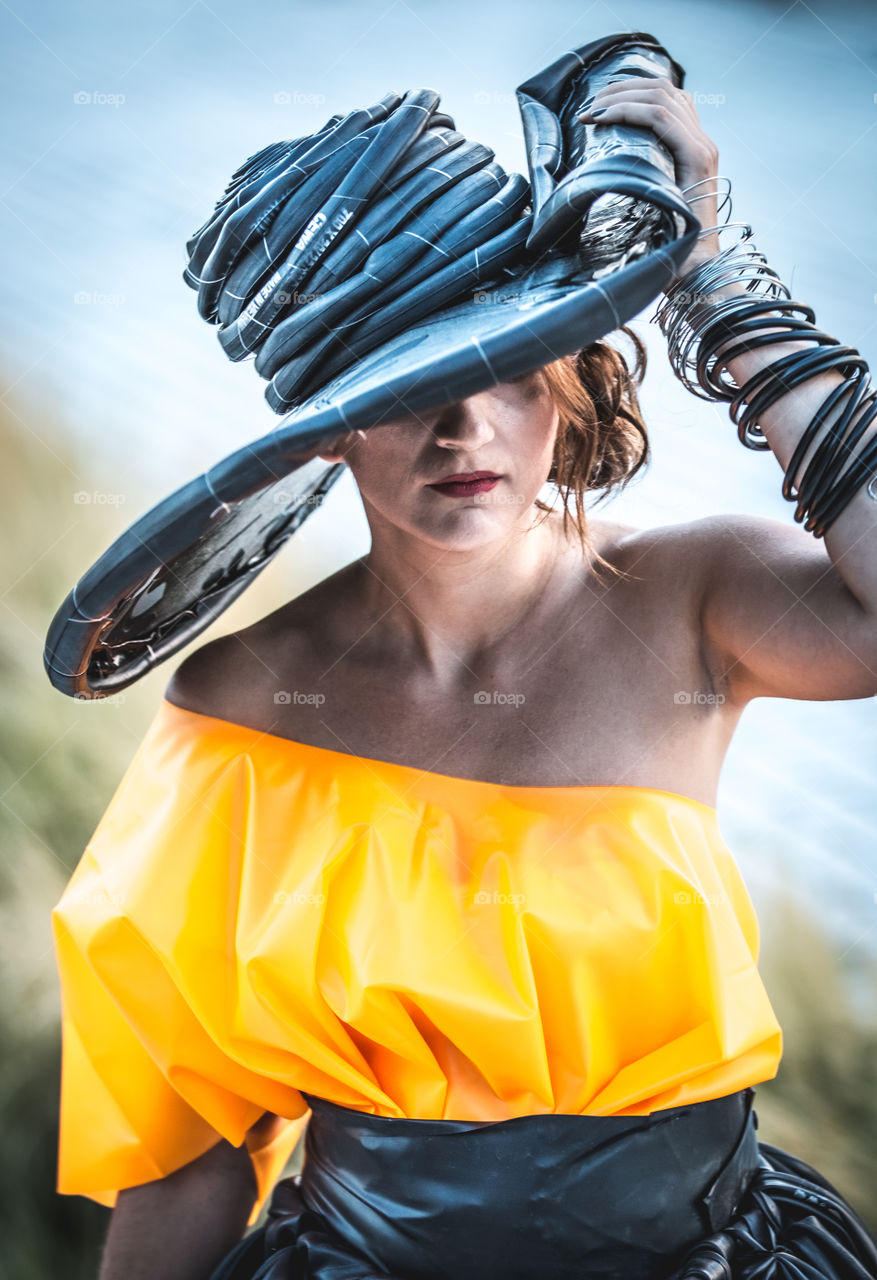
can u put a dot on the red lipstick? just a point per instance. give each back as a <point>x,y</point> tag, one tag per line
<point>465,483</point>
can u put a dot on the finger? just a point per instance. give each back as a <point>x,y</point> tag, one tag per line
<point>675,100</point>
<point>660,118</point>
<point>637,82</point>
<point>694,154</point>
<point>641,84</point>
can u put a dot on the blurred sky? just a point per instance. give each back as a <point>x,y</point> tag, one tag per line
<point>124,124</point>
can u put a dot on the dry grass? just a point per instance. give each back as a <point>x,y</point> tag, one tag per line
<point>822,1106</point>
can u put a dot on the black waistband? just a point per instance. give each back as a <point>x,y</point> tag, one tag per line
<point>548,1195</point>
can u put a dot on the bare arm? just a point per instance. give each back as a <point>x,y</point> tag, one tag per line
<point>777,615</point>
<point>180,1227</point>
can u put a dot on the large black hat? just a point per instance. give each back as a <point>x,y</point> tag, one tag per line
<point>379,268</point>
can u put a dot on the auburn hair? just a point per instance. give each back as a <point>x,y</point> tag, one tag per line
<point>601,439</point>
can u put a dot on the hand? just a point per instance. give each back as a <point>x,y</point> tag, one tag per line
<point>337,449</point>
<point>657,104</point>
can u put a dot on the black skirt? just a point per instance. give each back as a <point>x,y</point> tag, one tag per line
<point>687,1193</point>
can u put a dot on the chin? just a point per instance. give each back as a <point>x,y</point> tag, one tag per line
<point>464,529</point>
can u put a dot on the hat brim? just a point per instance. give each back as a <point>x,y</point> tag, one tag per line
<point>179,566</point>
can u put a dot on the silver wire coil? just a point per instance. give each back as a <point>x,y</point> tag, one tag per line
<point>688,308</point>
<point>697,323</point>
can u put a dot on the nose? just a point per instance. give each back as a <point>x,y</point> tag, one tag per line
<point>465,424</point>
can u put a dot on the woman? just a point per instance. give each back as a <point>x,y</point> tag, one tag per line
<point>462,698</point>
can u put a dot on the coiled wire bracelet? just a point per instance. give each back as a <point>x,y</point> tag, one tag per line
<point>697,320</point>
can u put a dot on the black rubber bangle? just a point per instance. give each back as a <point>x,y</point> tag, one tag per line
<point>754,343</point>
<point>817,421</point>
<point>824,513</point>
<point>723,328</point>
<point>832,442</point>
<point>822,519</point>
<point>833,452</point>
<point>818,524</point>
<point>783,376</point>
<point>834,474</point>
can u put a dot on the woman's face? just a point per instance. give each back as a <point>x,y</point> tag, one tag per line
<point>508,430</point>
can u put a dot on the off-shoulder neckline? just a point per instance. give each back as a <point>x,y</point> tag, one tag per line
<point>483,783</point>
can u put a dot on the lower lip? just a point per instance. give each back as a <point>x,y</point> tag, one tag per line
<point>466,488</point>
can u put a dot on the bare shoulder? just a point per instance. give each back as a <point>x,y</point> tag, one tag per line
<point>665,573</point>
<point>236,676</point>
<point>214,678</point>
<point>696,550</point>
<point>668,554</point>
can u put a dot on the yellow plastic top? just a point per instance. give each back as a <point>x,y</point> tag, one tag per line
<point>256,916</point>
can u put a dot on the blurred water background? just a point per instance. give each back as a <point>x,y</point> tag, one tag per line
<point>122,128</point>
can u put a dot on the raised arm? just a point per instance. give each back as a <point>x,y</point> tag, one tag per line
<point>783,614</point>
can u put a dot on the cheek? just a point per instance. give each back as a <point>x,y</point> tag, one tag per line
<point>382,463</point>
<point>537,430</point>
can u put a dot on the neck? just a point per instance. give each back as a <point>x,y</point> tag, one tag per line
<point>444,610</point>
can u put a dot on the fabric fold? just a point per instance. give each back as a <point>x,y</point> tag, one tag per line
<point>255,918</point>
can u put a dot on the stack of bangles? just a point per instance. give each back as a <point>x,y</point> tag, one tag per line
<point>697,319</point>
